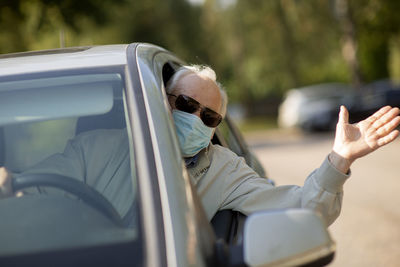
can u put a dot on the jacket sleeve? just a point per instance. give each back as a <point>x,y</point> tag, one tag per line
<point>246,192</point>
<point>69,163</point>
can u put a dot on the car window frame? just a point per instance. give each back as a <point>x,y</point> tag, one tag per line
<point>206,238</point>
<point>154,253</point>
<point>73,255</point>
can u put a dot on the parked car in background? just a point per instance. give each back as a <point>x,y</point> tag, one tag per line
<point>316,108</point>
<point>155,217</point>
<point>371,97</point>
<point>310,108</point>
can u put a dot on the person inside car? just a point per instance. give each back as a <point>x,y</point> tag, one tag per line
<point>223,180</point>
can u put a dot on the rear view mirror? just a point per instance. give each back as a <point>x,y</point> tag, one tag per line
<point>286,238</point>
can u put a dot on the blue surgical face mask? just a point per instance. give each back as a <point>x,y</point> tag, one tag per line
<point>193,134</point>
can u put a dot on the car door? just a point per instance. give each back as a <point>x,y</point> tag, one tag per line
<point>182,236</point>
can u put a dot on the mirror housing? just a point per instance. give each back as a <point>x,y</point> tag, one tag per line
<point>286,238</point>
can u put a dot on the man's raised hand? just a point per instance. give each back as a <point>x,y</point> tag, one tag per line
<point>353,141</point>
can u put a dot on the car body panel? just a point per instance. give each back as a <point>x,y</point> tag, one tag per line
<point>172,230</point>
<point>173,184</point>
<point>55,60</point>
<point>172,227</point>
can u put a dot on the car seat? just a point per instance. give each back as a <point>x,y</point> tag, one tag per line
<point>114,119</point>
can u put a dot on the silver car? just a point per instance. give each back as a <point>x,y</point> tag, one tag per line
<point>149,215</point>
<point>313,108</point>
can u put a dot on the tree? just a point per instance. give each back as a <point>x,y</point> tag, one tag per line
<point>25,23</point>
<point>377,23</point>
<point>278,45</point>
<point>349,40</point>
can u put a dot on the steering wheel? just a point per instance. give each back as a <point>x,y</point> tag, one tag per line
<point>89,195</point>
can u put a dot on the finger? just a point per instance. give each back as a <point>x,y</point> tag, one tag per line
<point>388,138</point>
<point>343,115</point>
<point>385,118</point>
<point>371,119</point>
<point>388,126</point>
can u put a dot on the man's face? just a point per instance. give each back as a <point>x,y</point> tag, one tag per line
<point>203,90</point>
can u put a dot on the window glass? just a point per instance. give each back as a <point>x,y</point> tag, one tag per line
<point>64,139</point>
<point>29,143</point>
<point>230,137</point>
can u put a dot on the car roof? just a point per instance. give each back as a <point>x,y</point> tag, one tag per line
<point>62,59</point>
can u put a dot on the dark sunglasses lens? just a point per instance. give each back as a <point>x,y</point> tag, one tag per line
<point>210,118</point>
<point>186,104</point>
<point>190,105</point>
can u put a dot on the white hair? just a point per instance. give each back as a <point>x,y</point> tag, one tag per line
<point>202,71</point>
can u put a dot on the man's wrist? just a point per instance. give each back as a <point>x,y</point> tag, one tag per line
<point>340,163</point>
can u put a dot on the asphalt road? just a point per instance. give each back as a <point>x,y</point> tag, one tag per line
<point>367,233</point>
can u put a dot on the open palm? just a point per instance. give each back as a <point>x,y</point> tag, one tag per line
<point>353,141</point>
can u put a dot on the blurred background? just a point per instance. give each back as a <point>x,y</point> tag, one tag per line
<point>259,49</point>
<point>286,64</point>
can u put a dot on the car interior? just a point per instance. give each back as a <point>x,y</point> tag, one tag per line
<point>227,224</point>
<point>19,150</point>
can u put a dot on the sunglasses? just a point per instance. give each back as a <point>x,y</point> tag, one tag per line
<point>187,104</point>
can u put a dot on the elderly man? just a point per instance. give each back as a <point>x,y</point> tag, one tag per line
<point>223,180</point>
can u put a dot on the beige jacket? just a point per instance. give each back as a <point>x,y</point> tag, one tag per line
<point>99,158</point>
<point>225,181</point>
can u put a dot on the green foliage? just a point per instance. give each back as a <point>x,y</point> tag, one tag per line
<point>284,44</point>
<point>377,25</point>
<point>258,48</point>
<point>38,24</point>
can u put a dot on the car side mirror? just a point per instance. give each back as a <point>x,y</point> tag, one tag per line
<point>291,237</point>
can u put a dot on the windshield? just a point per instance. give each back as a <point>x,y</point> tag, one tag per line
<point>64,138</point>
